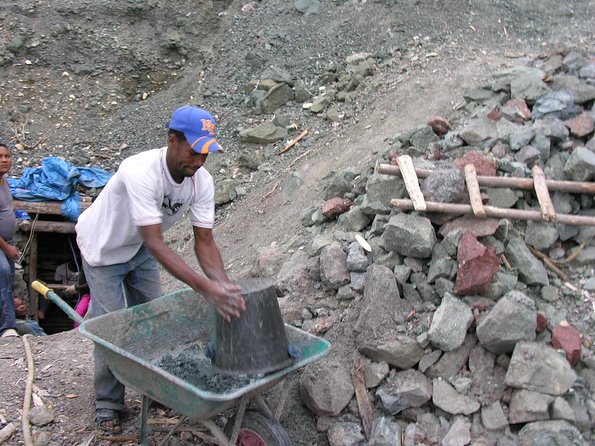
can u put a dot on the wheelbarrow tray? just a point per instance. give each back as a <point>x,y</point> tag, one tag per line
<point>134,342</point>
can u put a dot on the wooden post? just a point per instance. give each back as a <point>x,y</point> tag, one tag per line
<point>407,170</point>
<point>474,192</point>
<point>60,227</point>
<point>33,296</point>
<point>543,196</point>
<point>45,207</point>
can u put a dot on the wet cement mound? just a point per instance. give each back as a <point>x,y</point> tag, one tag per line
<point>192,366</point>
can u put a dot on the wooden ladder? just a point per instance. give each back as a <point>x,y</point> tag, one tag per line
<point>539,184</point>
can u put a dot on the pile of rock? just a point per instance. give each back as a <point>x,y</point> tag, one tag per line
<point>276,87</point>
<point>468,337</point>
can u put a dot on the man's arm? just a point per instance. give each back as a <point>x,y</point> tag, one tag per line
<point>208,254</point>
<point>10,251</point>
<point>223,295</point>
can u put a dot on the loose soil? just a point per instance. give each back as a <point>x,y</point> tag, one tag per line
<point>94,82</point>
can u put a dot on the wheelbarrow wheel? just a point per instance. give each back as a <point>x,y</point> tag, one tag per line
<point>258,430</point>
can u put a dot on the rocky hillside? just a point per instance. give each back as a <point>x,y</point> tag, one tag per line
<point>489,321</point>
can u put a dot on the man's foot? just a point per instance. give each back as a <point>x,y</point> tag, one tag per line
<point>108,420</point>
<point>10,333</point>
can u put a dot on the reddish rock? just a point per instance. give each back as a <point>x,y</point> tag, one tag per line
<point>495,114</point>
<point>483,165</point>
<point>581,125</point>
<point>392,157</point>
<point>569,340</point>
<point>480,227</point>
<point>335,206</point>
<point>439,125</point>
<point>541,323</point>
<point>520,108</point>
<point>477,266</point>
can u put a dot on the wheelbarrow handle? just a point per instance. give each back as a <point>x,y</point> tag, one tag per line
<point>48,293</point>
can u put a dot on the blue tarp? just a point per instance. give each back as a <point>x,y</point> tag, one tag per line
<point>57,179</point>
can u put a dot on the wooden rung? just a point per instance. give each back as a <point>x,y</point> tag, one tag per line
<point>491,211</point>
<point>474,192</point>
<point>411,182</point>
<point>543,195</point>
<point>59,227</point>
<point>45,207</point>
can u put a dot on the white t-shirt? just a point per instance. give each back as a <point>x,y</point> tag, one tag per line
<point>141,193</point>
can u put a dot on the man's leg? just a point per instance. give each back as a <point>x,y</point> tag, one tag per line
<point>7,316</point>
<point>106,289</point>
<point>143,284</point>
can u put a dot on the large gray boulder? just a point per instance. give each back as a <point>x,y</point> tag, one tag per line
<point>513,319</point>
<point>539,368</point>
<point>409,235</point>
<point>326,387</point>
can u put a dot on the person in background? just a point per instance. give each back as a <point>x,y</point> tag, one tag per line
<point>8,253</point>
<point>75,285</point>
<point>68,283</point>
<point>23,325</point>
<point>120,237</point>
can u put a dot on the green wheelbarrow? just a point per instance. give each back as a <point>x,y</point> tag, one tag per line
<point>144,346</point>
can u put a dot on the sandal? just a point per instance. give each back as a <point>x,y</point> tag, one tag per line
<point>10,333</point>
<point>108,420</point>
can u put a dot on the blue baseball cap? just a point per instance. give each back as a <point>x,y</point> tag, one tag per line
<point>198,126</point>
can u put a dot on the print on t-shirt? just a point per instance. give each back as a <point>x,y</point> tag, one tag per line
<point>171,206</point>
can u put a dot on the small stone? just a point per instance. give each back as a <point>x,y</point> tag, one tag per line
<point>581,125</point>
<point>40,416</point>
<point>477,266</point>
<point>541,323</point>
<point>568,339</point>
<point>439,125</point>
<point>483,165</point>
<point>335,206</point>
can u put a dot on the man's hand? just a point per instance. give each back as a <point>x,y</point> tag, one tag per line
<point>226,299</point>
<point>11,252</point>
<point>70,290</point>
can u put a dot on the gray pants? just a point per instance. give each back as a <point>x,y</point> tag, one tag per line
<point>113,288</point>
<point>7,316</point>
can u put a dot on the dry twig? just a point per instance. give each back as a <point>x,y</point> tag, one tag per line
<point>572,256</point>
<point>293,142</point>
<point>361,394</point>
<point>275,186</point>
<point>505,261</point>
<point>549,263</point>
<point>299,157</point>
<point>118,438</point>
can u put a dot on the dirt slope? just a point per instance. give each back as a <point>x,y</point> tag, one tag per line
<point>96,81</point>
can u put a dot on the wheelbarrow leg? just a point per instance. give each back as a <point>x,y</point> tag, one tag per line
<point>142,433</point>
<point>262,405</point>
<point>239,418</point>
<point>216,431</point>
<point>219,434</point>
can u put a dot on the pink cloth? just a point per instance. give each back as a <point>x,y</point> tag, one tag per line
<point>82,306</point>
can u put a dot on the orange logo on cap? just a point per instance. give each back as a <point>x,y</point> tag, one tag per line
<point>208,126</point>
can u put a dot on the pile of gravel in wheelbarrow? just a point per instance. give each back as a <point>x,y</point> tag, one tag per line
<point>193,366</point>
